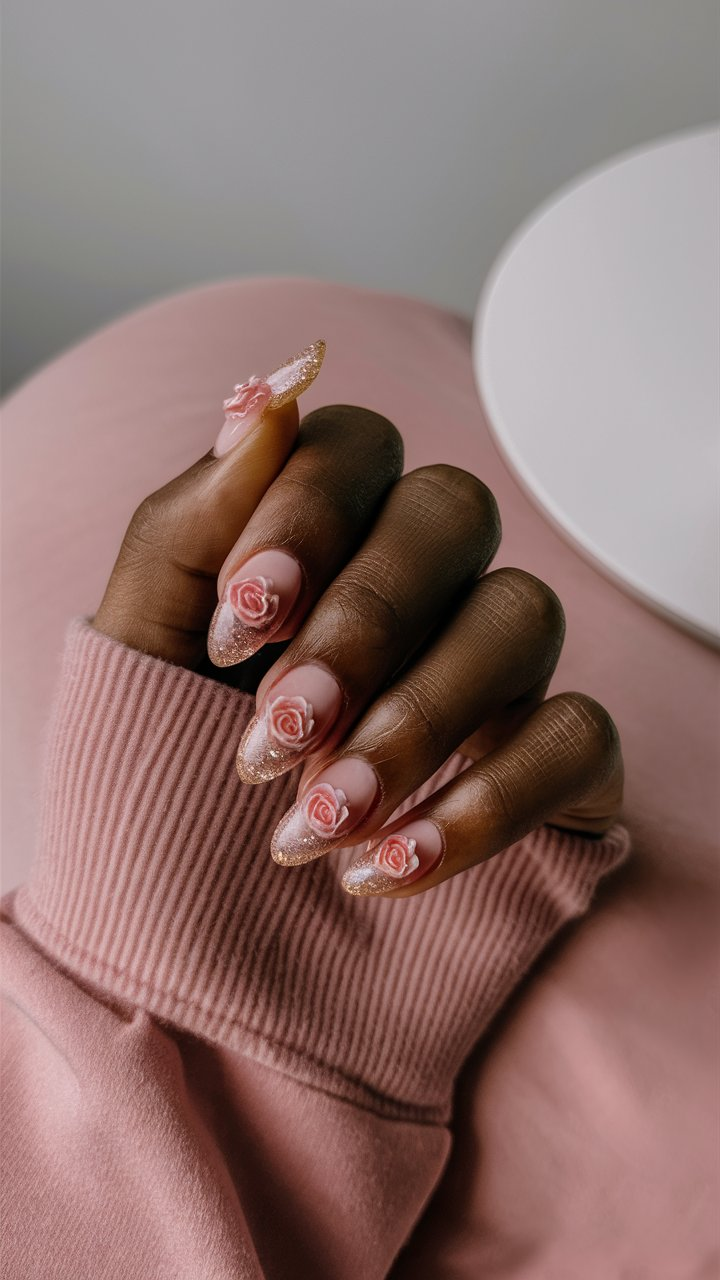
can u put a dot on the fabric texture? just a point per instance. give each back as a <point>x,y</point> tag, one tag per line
<point>154,881</point>
<point>155,887</point>
<point>135,1143</point>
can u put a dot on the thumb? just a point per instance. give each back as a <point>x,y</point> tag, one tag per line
<point>162,591</point>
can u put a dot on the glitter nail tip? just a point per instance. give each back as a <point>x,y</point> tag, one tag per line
<point>273,741</point>
<point>250,400</point>
<point>327,812</point>
<point>230,642</point>
<point>398,858</point>
<point>290,723</point>
<point>306,830</point>
<point>296,375</point>
<point>256,601</point>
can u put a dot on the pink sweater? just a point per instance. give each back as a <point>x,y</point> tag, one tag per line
<point>582,1143</point>
<point>216,1067</point>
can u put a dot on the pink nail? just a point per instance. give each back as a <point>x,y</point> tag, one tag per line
<point>296,715</point>
<point>327,811</point>
<point>256,601</point>
<point>398,858</point>
<point>250,400</point>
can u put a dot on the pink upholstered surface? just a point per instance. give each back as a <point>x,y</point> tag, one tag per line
<point>599,1092</point>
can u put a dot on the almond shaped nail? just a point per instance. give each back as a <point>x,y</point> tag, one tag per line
<point>256,601</point>
<point>250,400</point>
<point>400,857</point>
<point>295,717</point>
<point>326,813</point>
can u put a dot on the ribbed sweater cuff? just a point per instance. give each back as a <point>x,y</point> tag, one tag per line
<point>153,881</point>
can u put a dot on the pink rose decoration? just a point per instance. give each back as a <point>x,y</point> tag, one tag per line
<point>396,856</point>
<point>253,601</point>
<point>325,808</point>
<point>248,397</point>
<point>290,721</point>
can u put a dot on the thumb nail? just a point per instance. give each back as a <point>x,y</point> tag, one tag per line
<point>251,400</point>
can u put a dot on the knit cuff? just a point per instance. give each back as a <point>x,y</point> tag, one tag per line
<point>153,880</point>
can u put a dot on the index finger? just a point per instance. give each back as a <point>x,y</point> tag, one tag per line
<point>307,525</point>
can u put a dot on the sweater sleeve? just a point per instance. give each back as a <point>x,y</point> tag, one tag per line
<point>214,1066</point>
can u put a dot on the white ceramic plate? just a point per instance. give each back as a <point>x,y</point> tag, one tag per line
<point>597,356</point>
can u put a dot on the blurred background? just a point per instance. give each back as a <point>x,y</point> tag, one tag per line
<point>395,144</point>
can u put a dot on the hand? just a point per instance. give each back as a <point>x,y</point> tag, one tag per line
<point>399,647</point>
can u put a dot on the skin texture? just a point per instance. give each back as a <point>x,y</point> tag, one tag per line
<point>433,651</point>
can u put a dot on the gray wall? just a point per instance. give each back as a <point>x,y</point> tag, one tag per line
<point>153,144</point>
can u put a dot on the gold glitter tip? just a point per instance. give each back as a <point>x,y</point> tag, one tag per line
<point>296,375</point>
<point>255,770</point>
<point>294,843</point>
<point>228,643</point>
<point>259,759</point>
<point>364,880</point>
<point>285,859</point>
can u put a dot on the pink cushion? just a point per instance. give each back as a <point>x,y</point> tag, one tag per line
<point>603,1073</point>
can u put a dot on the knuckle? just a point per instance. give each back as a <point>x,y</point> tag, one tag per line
<point>300,498</point>
<point>145,529</point>
<point>383,441</point>
<point>360,607</point>
<point>587,725</point>
<point>523,592</point>
<point>415,707</point>
<point>346,460</point>
<point>444,488</point>
<point>379,437</point>
<point>495,797</point>
<point>168,534</point>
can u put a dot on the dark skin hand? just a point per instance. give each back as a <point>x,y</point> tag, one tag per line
<point>400,646</point>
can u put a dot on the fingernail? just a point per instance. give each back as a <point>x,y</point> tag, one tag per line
<point>250,400</point>
<point>296,715</point>
<point>256,601</point>
<point>331,807</point>
<point>399,858</point>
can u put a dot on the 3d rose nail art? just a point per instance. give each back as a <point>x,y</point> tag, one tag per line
<point>306,830</point>
<point>295,717</point>
<point>326,813</point>
<point>255,603</point>
<point>398,858</point>
<point>289,721</point>
<point>325,809</point>
<point>250,400</point>
<point>273,740</point>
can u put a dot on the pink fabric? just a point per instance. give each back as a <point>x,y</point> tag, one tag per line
<point>125,1107</point>
<point>154,886</point>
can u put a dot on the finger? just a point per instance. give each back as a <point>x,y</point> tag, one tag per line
<point>161,593</point>
<point>307,525</point>
<point>437,530</point>
<point>567,751</point>
<point>500,648</point>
